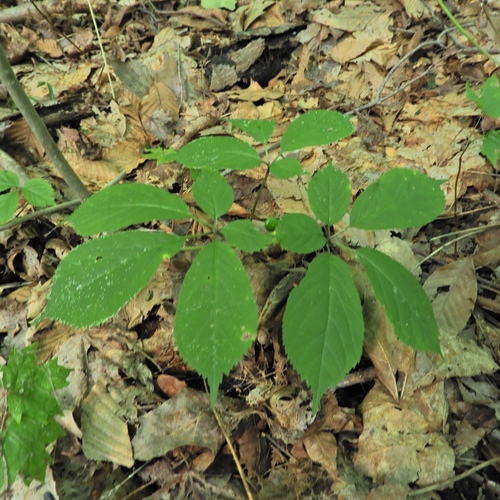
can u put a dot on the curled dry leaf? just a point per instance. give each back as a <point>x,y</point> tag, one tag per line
<point>159,109</point>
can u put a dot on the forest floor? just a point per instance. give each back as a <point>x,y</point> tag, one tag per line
<point>402,423</point>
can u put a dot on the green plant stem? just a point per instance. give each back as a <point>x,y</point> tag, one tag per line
<point>464,32</point>
<point>197,235</point>
<point>335,241</point>
<point>18,95</point>
<point>49,210</point>
<point>192,249</point>
<point>259,193</point>
<point>39,213</point>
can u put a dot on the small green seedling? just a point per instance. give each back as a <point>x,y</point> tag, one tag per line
<point>37,192</point>
<point>52,96</point>
<point>216,318</point>
<point>28,422</point>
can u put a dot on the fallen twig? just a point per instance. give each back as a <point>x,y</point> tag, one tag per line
<point>36,124</point>
<point>448,482</point>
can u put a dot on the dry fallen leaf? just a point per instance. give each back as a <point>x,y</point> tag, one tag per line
<point>399,444</point>
<point>186,419</point>
<point>104,433</point>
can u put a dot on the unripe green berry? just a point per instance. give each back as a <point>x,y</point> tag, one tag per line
<point>271,224</point>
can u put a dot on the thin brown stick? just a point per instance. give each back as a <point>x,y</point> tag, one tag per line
<point>22,101</point>
<point>378,97</point>
<point>232,450</point>
<point>359,377</point>
<point>448,482</point>
<point>40,213</point>
<point>188,12</point>
<point>234,455</point>
<point>455,192</point>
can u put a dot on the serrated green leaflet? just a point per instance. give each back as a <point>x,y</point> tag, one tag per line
<point>299,233</point>
<point>218,153</point>
<point>216,318</point>
<point>122,205</point>
<point>323,325</point>
<point>316,128</point>
<point>98,278</point>
<point>286,168</point>
<point>329,194</point>
<point>8,205</point>
<point>401,198</point>
<point>488,98</point>
<point>8,180</point>
<point>212,193</point>
<point>404,300</point>
<point>244,235</point>
<point>469,92</point>
<point>260,130</point>
<point>489,101</point>
<point>39,193</point>
<point>491,146</point>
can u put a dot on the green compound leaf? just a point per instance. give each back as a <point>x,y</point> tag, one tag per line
<point>404,300</point>
<point>401,198</point>
<point>212,193</point>
<point>323,326</point>
<point>260,130</point>
<point>216,319</point>
<point>39,193</point>
<point>299,233</point>
<point>286,168</point>
<point>8,205</point>
<point>98,278</point>
<point>329,193</point>
<point>491,146</point>
<point>244,235</point>
<point>8,180</point>
<point>218,153</point>
<point>316,128</point>
<point>122,205</point>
